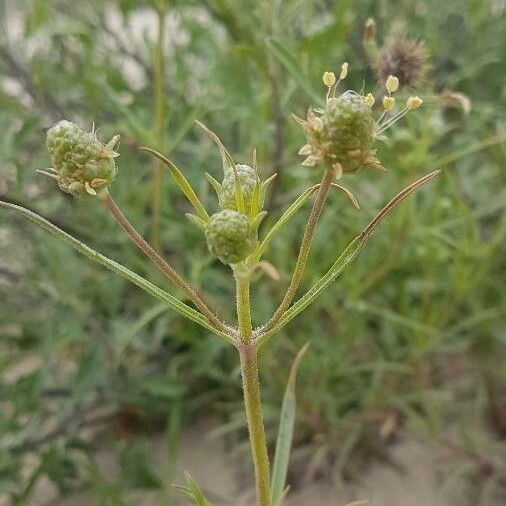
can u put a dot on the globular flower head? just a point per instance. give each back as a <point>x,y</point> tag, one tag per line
<point>229,236</point>
<point>404,58</point>
<point>81,164</point>
<point>414,103</point>
<point>247,179</point>
<point>342,135</point>
<point>241,189</point>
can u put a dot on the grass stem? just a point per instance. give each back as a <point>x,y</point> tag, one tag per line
<point>159,126</point>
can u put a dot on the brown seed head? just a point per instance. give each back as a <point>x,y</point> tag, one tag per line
<point>404,58</point>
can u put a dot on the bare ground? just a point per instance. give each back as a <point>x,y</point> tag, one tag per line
<point>216,471</point>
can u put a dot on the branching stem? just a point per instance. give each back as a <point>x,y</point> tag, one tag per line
<point>162,264</point>
<point>305,247</point>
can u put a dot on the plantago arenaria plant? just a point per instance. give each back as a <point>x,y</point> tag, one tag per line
<point>341,139</point>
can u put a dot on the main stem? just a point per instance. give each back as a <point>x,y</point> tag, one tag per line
<point>305,247</point>
<point>243,308</point>
<point>158,127</point>
<point>252,401</point>
<point>253,406</point>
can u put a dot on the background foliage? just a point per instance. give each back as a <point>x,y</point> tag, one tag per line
<point>411,340</point>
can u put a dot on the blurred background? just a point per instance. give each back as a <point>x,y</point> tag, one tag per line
<point>105,395</point>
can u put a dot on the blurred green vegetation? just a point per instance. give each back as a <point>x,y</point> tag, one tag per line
<point>410,340</point>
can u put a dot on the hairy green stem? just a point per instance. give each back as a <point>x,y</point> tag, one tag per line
<point>253,405</point>
<point>162,264</point>
<point>243,308</point>
<point>120,270</point>
<point>158,127</point>
<point>350,252</point>
<point>251,386</point>
<point>305,247</point>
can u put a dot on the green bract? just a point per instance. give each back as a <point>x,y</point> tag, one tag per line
<point>247,179</point>
<point>82,164</point>
<point>229,236</point>
<point>343,135</point>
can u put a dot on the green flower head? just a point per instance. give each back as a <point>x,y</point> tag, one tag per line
<point>342,135</point>
<point>247,179</point>
<point>81,164</point>
<point>229,236</point>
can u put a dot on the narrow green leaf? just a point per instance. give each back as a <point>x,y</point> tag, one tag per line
<point>182,182</point>
<point>264,186</point>
<point>257,221</point>
<point>193,491</point>
<point>296,205</point>
<point>114,266</point>
<point>268,181</point>
<point>285,433</point>
<point>345,258</point>
<point>226,158</point>
<point>255,201</point>
<point>195,220</point>
<point>255,198</point>
<point>216,186</point>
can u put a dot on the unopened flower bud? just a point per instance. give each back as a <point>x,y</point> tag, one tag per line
<point>369,30</point>
<point>342,136</point>
<point>414,103</point>
<point>388,103</point>
<point>344,71</point>
<point>392,84</point>
<point>247,179</point>
<point>329,79</point>
<point>82,165</point>
<point>229,236</point>
<point>369,100</point>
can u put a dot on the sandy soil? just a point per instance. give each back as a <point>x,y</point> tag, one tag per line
<point>216,472</point>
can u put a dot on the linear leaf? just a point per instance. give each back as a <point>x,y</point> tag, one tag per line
<point>182,182</point>
<point>226,158</point>
<point>115,267</point>
<point>216,185</point>
<point>285,433</point>
<point>345,258</point>
<point>193,491</point>
<point>296,205</point>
